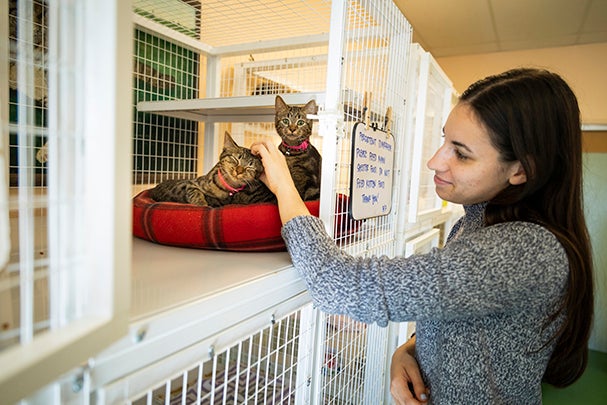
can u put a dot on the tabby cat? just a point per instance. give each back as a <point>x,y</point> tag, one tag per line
<point>233,180</point>
<point>303,159</point>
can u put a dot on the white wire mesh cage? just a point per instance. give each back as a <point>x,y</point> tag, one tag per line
<point>57,285</point>
<point>351,56</point>
<point>255,50</point>
<point>30,132</point>
<point>262,367</point>
<point>434,98</point>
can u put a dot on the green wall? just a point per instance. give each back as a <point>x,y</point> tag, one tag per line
<point>595,201</point>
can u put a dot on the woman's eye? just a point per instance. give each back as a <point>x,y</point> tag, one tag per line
<point>460,156</point>
<point>285,121</point>
<point>300,123</point>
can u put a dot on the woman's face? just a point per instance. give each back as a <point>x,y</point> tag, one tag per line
<point>467,166</point>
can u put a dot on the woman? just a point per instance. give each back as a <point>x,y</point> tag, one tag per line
<point>507,303</point>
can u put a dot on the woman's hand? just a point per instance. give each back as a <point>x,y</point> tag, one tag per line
<point>406,384</point>
<point>278,178</point>
<point>276,173</point>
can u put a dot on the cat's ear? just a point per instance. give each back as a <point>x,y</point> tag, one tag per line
<point>310,107</point>
<point>228,141</point>
<point>280,104</point>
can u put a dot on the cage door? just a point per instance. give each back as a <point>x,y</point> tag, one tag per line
<point>67,277</point>
<point>4,218</point>
<point>433,102</point>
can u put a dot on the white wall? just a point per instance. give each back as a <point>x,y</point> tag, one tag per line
<point>583,67</point>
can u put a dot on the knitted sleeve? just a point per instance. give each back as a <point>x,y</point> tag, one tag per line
<point>501,268</point>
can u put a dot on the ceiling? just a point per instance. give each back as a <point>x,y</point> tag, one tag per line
<point>462,27</point>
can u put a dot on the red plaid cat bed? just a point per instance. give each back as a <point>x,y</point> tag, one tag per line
<point>243,228</point>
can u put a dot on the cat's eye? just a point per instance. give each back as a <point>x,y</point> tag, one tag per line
<point>300,123</point>
<point>285,121</point>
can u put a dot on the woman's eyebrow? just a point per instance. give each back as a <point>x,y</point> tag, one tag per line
<point>461,145</point>
<point>458,144</point>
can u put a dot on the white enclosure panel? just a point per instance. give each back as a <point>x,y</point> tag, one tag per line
<point>423,243</point>
<point>433,100</point>
<point>4,152</point>
<point>366,82</point>
<point>260,367</point>
<point>200,330</point>
<point>417,245</point>
<point>67,279</point>
<point>194,309</point>
<point>356,72</point>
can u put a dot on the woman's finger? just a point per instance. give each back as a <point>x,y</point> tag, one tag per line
<point>258,148</point>
<point>418,386</point>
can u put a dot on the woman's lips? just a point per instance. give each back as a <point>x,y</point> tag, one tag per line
<point>439,181</point>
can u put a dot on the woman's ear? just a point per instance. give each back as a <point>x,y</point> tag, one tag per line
<point>517,174</point>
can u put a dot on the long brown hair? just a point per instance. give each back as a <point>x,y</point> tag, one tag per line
<point>532,116</point>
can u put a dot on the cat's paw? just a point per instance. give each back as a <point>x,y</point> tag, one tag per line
<point>311,194</point>
<point>197,199</point>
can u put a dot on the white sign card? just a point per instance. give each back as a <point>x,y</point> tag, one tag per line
<point>371,173</point>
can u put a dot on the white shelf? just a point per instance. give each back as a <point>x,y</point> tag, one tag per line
<point>227,109</point>
<point>166,277</point>
<point>199,300</point>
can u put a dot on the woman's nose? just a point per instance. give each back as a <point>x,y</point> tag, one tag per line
<point>437,162</point>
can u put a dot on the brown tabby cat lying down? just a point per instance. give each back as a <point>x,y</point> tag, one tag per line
<point>233,180</point>
<point>295,129</point>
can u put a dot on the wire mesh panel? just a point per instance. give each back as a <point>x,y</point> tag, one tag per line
<point>262,368</point>
<point>28,123</point>
<point>344,361</point>
<point>163,147</point>
<point>434,98</point>
<point>58,282</point>
<point>375,57</point>
<point>372,90</point>
<point>272,73</point>
<point>252,48</point>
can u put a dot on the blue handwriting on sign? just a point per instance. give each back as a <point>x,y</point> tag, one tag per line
<point>362,167</point>
<point>370,198</point>
<point>361,153</point>
<point>385,145</point>
<point>367,139</point>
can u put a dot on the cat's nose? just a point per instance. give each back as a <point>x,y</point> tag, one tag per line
<point>240,170</point>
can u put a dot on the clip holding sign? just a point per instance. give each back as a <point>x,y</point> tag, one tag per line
<point>367,109</point>
<point>388,121</point>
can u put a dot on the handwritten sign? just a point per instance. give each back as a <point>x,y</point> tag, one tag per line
<point>372,172</point>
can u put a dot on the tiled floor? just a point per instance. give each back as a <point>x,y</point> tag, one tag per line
<point>590,389</point>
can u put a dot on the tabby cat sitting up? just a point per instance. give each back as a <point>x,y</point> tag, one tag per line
<point>304,161</point>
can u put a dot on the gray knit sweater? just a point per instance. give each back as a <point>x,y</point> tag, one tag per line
<point>481,303</point>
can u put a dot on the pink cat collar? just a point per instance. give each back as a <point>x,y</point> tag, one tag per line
<point>301,146</point>
<point>226,185</point>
